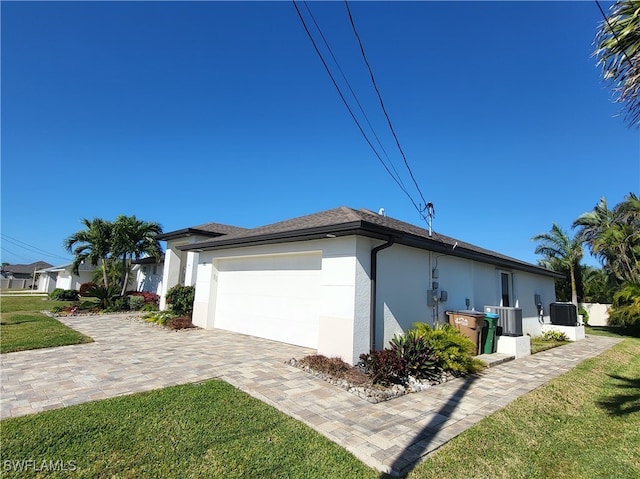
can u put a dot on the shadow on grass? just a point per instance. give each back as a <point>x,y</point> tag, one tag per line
<point>627,402</point>
<point>614,331</point>
<point>423,440</point>
<point>13,323</point>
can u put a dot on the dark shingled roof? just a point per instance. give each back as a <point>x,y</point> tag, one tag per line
<point>345,221</point>
<point>25,268</point>
<point>207,229</point>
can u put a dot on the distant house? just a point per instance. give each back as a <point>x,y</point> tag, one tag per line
<point>148,274</point>
<point>343,281</point>
<point>20,276</point>
<point>63,277</point>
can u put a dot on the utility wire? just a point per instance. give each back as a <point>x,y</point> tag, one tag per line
<point>355,97</point>
<point>28,247</point>
<point>335,84</point>
<point>606,19</point>
<point>375,86</point>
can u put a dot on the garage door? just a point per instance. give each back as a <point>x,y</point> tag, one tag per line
<point>275,297</point>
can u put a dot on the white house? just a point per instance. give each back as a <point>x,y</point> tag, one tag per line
<point>148,274</point>
<point>343,281</point>
<point>63,277</point>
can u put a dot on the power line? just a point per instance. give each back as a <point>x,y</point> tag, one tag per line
<point>28,247</point>
<point>606,19</point>
<point>346,104</point>
<point>355,97</point>
<point>375,86</point>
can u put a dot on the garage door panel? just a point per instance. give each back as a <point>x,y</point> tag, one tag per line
<point>268,297</point>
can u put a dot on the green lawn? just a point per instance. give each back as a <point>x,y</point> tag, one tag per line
<point>584,424</point>
<point>206,430</point>
<point>23,327</point>
<point>539,344</point>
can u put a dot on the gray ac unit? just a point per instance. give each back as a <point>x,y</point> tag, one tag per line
<point>510,320</point>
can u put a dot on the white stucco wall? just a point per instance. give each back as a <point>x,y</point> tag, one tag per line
<point>180,267</point>
<point>342,272</point>
<point>404,277</point>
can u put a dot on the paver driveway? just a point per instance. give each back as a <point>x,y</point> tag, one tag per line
<point>129,356</point>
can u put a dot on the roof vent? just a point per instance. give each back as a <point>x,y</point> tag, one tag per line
<point>381,212</point>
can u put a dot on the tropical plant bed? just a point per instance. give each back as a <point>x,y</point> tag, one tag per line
<point>354,380</point>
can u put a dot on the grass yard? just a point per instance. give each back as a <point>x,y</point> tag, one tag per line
<point>584,424</point>
<point>23,326</point>
<point>539,344</point>
<point>203,430</point>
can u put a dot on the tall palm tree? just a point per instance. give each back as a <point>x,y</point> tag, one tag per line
<point>92,244</point>
<point>558,248</point>
<point>618,52</point>
<point>134,238</point>
<point>613,236</point>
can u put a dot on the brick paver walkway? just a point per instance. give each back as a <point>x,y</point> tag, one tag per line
<point>129,356</point>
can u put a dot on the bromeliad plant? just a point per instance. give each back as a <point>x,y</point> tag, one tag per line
<point>420,360</point>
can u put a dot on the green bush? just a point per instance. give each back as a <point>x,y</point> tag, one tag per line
<point>552,335</point>
<point>60,294</point>
<point>136,302</point>
<point>180,299</point>
<point>420,360</point>
<point>119,303</point>
<point>584,313</point>
<point>104,295</point>
<point>149,307</point>
<point>454,351</point>
<point>160,317</point>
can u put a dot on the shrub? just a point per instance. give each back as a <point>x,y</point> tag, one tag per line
<point>149,307</point>
<point>584,313</point>
<point>159,317</point>
<point>553,335</point>
<point>119,303</point>
<point>85,287</point>
<point>419,358</point>
<point>136,302</point>
<point>334,367</point>
<point>180,299</point>
<point>149,298</point>
<point>181,322</point>
<point>384,367</point>
<point>60,294</point>
<point>104,295</point>
<point>454,351</point>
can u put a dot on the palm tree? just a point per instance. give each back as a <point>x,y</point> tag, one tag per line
<point>559,249</point>
<point>92,244</point>
<point>613,236</point>
<point>618,52</point>
<point>133,238</point>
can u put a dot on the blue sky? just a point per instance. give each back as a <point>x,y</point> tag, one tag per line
<point>186,113</point>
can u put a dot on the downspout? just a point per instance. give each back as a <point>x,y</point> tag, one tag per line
<point>374,276</point>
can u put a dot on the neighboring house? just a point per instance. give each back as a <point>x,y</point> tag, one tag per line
<point>20,276</point>
<point>148,274</point>
<point>343,281</point>
<point>63,277</point>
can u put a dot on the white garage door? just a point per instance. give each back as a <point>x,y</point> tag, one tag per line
<point>275,297</point>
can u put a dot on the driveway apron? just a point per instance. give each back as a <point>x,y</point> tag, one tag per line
<point>129,356</point>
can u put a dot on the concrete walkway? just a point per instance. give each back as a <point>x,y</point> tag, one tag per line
<point>128,356</point>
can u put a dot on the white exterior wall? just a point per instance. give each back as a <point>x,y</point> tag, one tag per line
<point>180,267</point>
<point>401,298</point>
<point>404,277</point>
<point>526,286</point>
<point>343,322</point>
<point>146,279</point>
